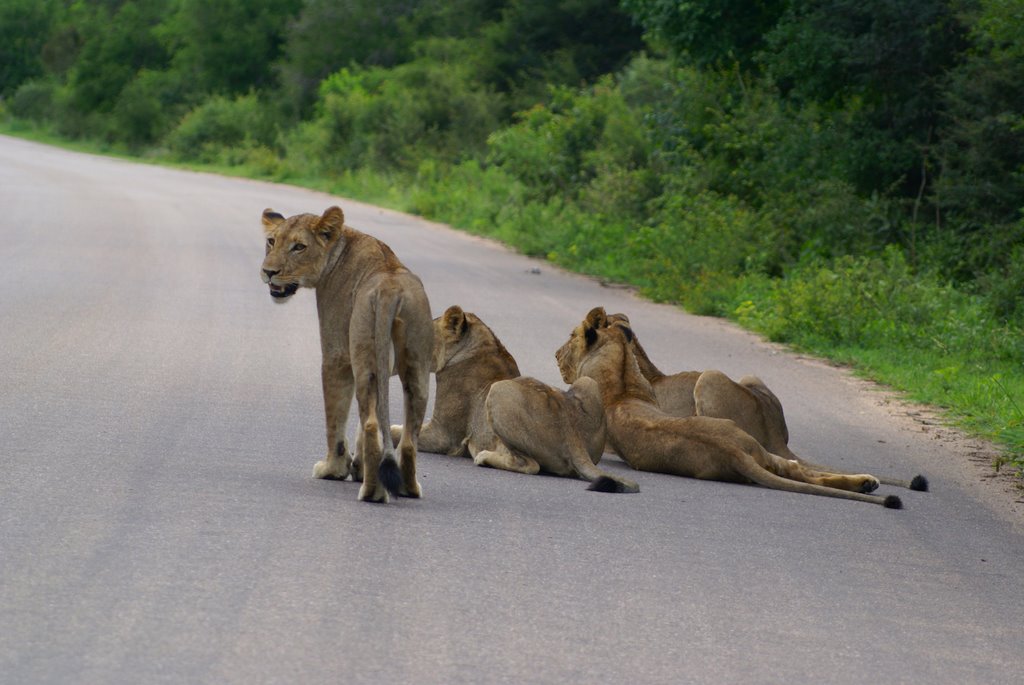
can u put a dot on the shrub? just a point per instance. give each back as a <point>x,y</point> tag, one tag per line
<point>147,107</point>
<point>559,148</point>
<point>392,119</point>
<point>876,303</point>
<point>220,124</point>
<point>34,100</point>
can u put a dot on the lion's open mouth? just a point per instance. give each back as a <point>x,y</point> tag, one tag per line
<point>282,291</point>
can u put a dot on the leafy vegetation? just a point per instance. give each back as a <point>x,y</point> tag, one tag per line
<point>842,176</point>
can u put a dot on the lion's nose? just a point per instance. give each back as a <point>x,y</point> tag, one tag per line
<point>270,273</point>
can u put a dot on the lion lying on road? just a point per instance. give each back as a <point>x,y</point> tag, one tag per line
<point>369,306</point>
<point>484,409</point>
<point>648,439</point>
<point>467,359</point>
<point>749,403</point>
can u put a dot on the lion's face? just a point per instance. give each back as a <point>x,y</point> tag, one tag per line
<point>297,249</point>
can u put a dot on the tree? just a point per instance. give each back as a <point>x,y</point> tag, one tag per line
<point>228,46</point>
<point>882,64</point>
<point>115,46</point>
<point>24,26</point>
<point>561,42</point>
<point>708,32</point>
<point>328,35</point>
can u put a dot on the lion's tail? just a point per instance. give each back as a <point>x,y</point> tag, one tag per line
<point>600,480</point>
<point>609,483</point>
<point>386,312</point>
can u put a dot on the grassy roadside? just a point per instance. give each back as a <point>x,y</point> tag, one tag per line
<point>906,330</point>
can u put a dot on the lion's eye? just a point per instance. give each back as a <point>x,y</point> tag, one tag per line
<point>298,247</point>
<point>270,242</point>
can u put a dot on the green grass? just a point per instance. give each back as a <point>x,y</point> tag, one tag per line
<point>982,399</point>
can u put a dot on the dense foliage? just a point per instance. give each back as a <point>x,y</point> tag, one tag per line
<point>844,175</point>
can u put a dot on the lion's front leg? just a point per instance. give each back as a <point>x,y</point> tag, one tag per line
<point>338,389</point>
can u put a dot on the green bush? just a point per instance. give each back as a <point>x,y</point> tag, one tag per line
<point>467,195</point>
<point>696,242</point>
<point>559,148</point>
<point>220,124</point>
<point>392,119</point>
<point>879,303</point>
<point>34,100</point>
<point>147,108</point>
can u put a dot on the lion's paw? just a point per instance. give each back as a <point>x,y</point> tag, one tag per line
<point>414,491</point>
<point>331,469</point>
<point>396,435</point>
<point>870,484</point>
<point>378,494</point>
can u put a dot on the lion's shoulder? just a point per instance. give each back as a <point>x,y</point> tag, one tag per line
<point>371,252</point>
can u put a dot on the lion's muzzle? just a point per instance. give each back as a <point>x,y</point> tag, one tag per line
<point>278,291</point>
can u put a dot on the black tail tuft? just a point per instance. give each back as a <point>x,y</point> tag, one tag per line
<point>893,502</point>
<point>390,476</point>
<point>606,484</point>
<point>919,483</point>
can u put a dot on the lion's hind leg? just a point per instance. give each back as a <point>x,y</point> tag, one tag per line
<point>415,384</point>
<point>795,470</point>
<point>777,473</point>
<point>918,482</point>
<point>854,482</point>
<point>372,489</point>
<point>377,472</point>
<point>501,457</point>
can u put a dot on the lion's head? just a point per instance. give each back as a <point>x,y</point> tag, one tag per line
<point>594,346</point>
<point>297,249</point>
<point>461,335</point>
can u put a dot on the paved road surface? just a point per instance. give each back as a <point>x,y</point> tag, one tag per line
<point>159,421</point>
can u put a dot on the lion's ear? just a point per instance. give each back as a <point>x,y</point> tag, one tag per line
<point>618,318</point>
<point>597,317</point>
<point>628,332</point>
<point>455,319</point>
<point>271,219</point>
<point>589,334</point>
<point>330,224</point>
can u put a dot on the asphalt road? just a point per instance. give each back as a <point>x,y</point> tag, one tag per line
<point>160,417</point>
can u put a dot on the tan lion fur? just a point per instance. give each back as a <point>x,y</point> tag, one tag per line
<point>484,409</point>
<point>372,311</point>
<point>748,402</point>
<point>702,447</point>
<point>467,359</point>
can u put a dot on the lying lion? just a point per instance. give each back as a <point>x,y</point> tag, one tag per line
<point>703,447</point>
<point>484,409</point>
<point>749,402</point>
<point>370,307</point>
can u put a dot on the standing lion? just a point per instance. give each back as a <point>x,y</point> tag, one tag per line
<point>372,310</point>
